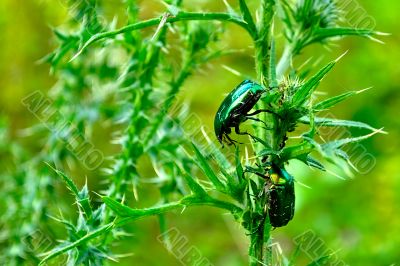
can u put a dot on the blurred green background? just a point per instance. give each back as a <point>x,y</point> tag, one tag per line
<point>357,218</point>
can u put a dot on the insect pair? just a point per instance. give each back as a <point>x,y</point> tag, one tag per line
<point>235,109</point>
<point>280,194</point>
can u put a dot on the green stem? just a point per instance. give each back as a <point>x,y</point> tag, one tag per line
<point>181,16</point>
<point>267,240</point>
<point>89,236</point>
<point>208,201</point>
<point>284,62</point>
<point>260,252</point>
<point>263,54</point>
<point>258,255</point>
<point>256,250</point>
<point>128,214</point>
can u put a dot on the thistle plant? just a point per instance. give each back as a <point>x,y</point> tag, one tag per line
<point>135,99</point>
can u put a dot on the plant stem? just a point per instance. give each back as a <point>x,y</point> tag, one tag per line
<point>267,240</point>
<point>258,255</point>
<point>284,62</point>
<point>256,250</point>
<point>181,16</point>
<point>263,55</point>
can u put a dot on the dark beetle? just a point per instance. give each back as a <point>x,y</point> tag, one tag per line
<point>281,198</point>
<point>234,109</point>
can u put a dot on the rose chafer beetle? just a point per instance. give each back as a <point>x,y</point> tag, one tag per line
<point>281,197</point>
<point>279,189</point>
<point>235,109</point>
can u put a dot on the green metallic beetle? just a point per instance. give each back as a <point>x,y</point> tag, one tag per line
<point>280,193</point>
<point>234,110</point>
<point>281,197</point>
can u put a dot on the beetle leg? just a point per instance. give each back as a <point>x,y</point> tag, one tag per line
<point>264,111</point>
<point>258,120</point>
<point>252,170</point>
<point>237,130</point>
<point>245,133</point>
<point>231,141</point>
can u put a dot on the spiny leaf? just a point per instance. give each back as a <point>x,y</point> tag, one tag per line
<point>192,200</point>
<point>229,8</point>
<point>236,186</point>
<point>84,201</point>
<point>264,143</point>
<point>247,15</point>
<point>323,33</point>
<point>310,161</point>
<point>266,152</point>
<point>315,163</point>
<point>341,142</point>
<point>253,190</point>
<point>307,66</point>
<point>332,153</point>
<point>342,154</point>
<point>335,100</point>
<point>62,249</point>
<point>311,133</point>
<point>330,122</point>
<point>296,151</point>
<point>181,16</point>
<point>305,91</point>
<point>121,209</point>
<point>164,232</point>
<point>125,211</point>
<point>197,189</point>
<point>288,14</point>
<point>219,157</point>
<point>68,181</point>
<point>239,167</point>
<point>231,181</point>
<point>208,171</point>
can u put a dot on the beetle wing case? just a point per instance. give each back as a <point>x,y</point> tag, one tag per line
<point>281,201</point>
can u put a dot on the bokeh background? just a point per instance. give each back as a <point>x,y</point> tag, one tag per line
<point>356,218</point>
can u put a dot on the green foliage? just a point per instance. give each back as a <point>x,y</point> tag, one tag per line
<point>137,98</point>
